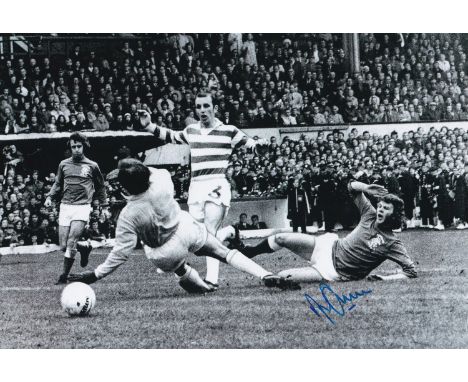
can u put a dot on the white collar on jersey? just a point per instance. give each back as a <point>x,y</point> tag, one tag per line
<point>206,131</point>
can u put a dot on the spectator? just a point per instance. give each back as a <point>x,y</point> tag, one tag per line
<point>256,224</point>
<point>101,123</point>
<point>242,225</point>
<point>288,119</point>
<point>299,199</point>
<point>335,118</point>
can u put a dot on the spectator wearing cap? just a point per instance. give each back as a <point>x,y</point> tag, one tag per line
<point>127,123</point>
<point>101,123</point>
<point>403,115</point>
<point>108,112</point>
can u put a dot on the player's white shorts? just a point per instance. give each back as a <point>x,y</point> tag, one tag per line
<point>71,212</point>
<point>189,237</point>
<point>322,259</point>
<point>217,190</point>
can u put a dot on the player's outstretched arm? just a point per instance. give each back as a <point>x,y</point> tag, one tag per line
<point>164,134</point>
<point>375,190</point>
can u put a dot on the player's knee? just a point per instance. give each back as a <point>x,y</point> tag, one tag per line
<point>168,264</point>
<point>63,247</point>
<point>71,243</point>
<point>212,226</point>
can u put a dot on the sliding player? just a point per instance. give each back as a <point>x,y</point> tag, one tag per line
<point>356,255</point>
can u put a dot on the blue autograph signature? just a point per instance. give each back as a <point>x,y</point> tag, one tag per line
<point>333,302</point>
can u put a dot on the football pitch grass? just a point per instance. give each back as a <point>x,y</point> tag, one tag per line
<point>138,308</point>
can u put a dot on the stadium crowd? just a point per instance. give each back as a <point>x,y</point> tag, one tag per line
<point>258,80</point>
<point>429,170</point>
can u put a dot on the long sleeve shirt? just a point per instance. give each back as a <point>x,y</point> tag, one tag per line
<point>209,148</point>
<point>366,247</point>
<point>152,217</point>
<point>78,182</point>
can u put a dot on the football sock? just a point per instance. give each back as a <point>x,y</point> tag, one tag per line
<point>67,265</point>
<point>182,270</point>
<point>212,270</point>
<point>241,262</point>
<point>225,233</point>
<point>267,245</point>
<point>191,275</point>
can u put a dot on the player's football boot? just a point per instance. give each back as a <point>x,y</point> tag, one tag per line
<point>84,250</point>
<point>193,283</point>
<point>283,283</point>
<point>63,279</point>
<point>192,287</point>
<point>215,286</point>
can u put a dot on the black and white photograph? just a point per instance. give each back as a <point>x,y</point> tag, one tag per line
<point>254,190</point>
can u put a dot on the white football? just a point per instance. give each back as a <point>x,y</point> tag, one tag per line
<point>78,299</point>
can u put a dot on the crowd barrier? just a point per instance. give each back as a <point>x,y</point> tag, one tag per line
<point>180,154</point>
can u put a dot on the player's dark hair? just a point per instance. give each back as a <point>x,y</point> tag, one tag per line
<point>133,176</point>
<point>395,220</point>
<point>202,94</point>
<point>79,137</point>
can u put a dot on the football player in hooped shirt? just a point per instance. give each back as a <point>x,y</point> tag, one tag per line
<point>211,144</point>
<point>354,256</point>
<point>78,181</point>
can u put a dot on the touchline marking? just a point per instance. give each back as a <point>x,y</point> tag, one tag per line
<point>6,289</point>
